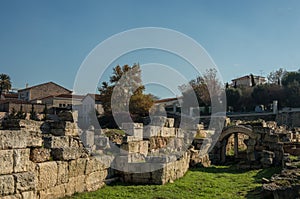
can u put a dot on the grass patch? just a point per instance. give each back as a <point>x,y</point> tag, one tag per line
<point>212,182</point>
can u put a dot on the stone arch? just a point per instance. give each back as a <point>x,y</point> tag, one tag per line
<point>227,132</point>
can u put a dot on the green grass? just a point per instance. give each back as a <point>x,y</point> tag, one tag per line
<point>213,182</point>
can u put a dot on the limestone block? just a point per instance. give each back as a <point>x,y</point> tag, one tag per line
<point>76,142</point>
<point>179,133</point>
<point>136,158</point>
<point>12,139</point>
<point>87,138</point>
<point>16,196</point>
<point>77,167</point>
<point>130,147</point>
<point>25,181</point>
<point>7,185</point>
<point>169,122</point>
<point>34,139</point>
<point>62,172</point>
<point>158,121</point>
<point>134,129</point>
<point>47,175</point>
<point>94,164</point>
<point>6,161</point>
<point>71,129</point>
<point>95,180</point>
<point>56,142</point>
<point>151,131</point>
<point>29,195</point>
<point>168,132</point>
<point>39,155</point>
<point>131,139</point>
<point>144,146</point>
<point>53,192</point>
<point>101,142</point>
<point>75,185</point>
<point>67,153</point>
<point>21,160</point>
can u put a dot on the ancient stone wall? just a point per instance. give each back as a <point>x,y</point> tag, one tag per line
<point>46,160</point>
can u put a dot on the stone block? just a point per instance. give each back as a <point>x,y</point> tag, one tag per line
<point>94,164</point>
<point>121,163</point>
<point>136,158</point>
<point>101,142</point>
<point>12,139</point>
<point>25,181</point>
<point>71,129</point>
<point>158,121</point>
<point>21,160</point>
<point>7,185</point>
<point>62,172</point>
<point>6,161</point>
<point>88,138</point>
<point>131,139</point>
<point>53,192</point>
<point>56,142</point>
<point>130,147</point>
<point>77,167</point>
<point>68,153</point>
<point>15,196</point>
<point>143,148</point>
<point>133,129</point>
<point>95,180</point>
<point>39,155</point>
<point>169,122</point>
<point>179,133</point>
<point>151,131</point>
<point>75,185</point>
<point>76,142</point>
<point>29,195</point>
<point>34,139</point>
<point>168,132</point>
<point>47,175</point>
<point>271,138</point>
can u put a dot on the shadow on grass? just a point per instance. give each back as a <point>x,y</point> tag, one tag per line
<point>232,169</point>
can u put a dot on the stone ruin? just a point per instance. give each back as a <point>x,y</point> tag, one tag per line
<point>53,159</point>
<point>46,160</point>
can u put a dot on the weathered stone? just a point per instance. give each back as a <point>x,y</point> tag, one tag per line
<point>62,172</point>
<point>130,147</point>
<point>6,161</point>
<point>131,139</point>
<point>75,185</point>
<point>39,155</point>
<point>151,131</point>
<point>101,142</point>
<point>169,122</point>
<point>134,129</point>
<point>56,142</point>
<point>16,196</point>
<point>77,167</point>
<point>25,181</point>
<point>12,139</point>
<point>29,195</point>
<point>21,160</point>
<point>7,185</point>
<point>67,153</point>
<point>47,175</point>
<point>95,180</point>
<point>143,147</point>
<point>53,192</point>
<point>34,139</point>
<point>158,121</point>
<point>168,132</point>
<point>88,138</point>
<point>94,164</point>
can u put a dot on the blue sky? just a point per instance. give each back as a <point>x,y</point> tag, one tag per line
<point>44,41</point>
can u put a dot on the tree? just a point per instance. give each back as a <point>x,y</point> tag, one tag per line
<point>290,77</point>
<point>252,80</point>
<point>275,77</point>
<point>233,96</point>
<point>125,87</point>
<point>206,89</point>
<point>5,83</point>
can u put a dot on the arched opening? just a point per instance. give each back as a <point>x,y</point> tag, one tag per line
<point>236,149</point>
<point>237,144</point>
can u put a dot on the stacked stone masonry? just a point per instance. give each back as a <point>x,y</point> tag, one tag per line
<point>46,160</point>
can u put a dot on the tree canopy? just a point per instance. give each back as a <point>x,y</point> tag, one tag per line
<point>5,83</point>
